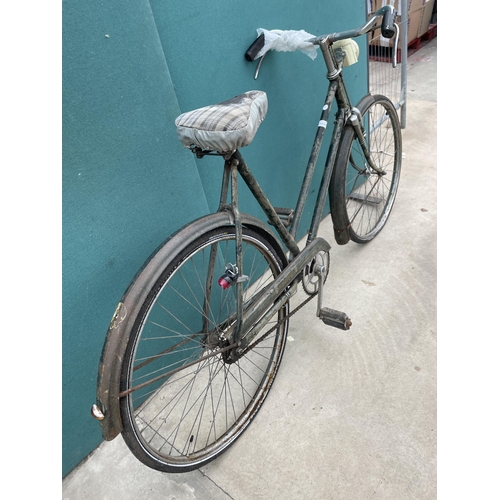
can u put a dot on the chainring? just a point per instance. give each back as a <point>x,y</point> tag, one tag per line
<point>310,280</point>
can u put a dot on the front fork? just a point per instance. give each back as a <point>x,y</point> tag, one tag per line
<point>356,121</point>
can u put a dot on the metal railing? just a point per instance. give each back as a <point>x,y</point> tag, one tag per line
<point>382,77</point>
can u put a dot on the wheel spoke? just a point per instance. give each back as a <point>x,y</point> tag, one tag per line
<point>185,399</point>
<point>368,196</point>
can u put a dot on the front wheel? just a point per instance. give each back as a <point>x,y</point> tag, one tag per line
<point>361,198</point>
<point>184,401</point>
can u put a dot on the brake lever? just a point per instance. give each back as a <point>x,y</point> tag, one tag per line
<point>258,66</point>
<point>395,47</point>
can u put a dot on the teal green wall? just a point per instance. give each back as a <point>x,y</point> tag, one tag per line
<point>129,68</point>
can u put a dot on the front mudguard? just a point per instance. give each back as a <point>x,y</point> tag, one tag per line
<point>339,216</point>
<point>123,320</point>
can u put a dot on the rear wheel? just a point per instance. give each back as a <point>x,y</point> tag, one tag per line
<point>361,198</point>
<point>185,400</point>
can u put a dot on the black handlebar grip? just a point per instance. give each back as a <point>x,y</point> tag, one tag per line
<point>388,29</point>
<point>254,49</point>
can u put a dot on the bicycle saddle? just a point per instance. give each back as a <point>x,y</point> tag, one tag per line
<point>223,127</point>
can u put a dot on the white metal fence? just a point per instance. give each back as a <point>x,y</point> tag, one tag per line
<point>383,78</point>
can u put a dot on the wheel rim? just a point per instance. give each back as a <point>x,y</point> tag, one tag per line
<point>191,416</point>
<point>369,195</point>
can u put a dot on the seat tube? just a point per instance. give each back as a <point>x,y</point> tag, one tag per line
<point>239,246</point>
<point>213,249</point>
<point>225,185</point>
<point>230,177</point>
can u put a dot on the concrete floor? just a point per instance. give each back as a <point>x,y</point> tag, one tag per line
<point>352,415</point>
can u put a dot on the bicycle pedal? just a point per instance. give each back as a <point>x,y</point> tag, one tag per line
<point>285,214</point>
<point>334,318</point>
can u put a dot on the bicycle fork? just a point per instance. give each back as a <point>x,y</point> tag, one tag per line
<point>355,121</point>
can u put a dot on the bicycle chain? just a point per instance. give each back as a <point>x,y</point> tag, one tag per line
<point>277,325</point>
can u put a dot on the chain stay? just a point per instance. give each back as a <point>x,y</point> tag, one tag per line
<point>276,326</point>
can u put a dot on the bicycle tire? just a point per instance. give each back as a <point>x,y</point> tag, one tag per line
<point>189,418</point>
<point>360,198</point>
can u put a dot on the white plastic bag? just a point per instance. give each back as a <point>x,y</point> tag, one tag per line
<point>287,41</point>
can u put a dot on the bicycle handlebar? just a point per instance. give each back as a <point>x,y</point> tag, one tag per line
<point>388,23</point>
<point>388,13</point>
<point>254,49</point>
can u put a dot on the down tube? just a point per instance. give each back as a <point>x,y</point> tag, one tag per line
<point>327,174</point>
<point>311,165</point>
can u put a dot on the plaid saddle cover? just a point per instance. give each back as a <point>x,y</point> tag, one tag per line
<point>223,127</point>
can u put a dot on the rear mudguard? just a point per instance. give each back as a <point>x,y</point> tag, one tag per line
<point>122,322</point>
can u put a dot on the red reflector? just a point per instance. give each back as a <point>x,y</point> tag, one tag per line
<point>223,283</point>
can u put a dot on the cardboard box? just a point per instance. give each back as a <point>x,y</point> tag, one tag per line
<point>414,24</point>
<point>426,17</point>
<point>413,5</point>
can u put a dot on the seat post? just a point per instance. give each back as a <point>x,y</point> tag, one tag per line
<point>225,185</point>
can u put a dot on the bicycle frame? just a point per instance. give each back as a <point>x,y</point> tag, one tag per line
<point>255,315</point>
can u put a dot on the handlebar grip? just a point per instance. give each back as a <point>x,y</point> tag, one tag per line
<point>388,29</point>
<point>254,49</point>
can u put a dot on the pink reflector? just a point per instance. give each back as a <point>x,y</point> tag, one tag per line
<point>223,283</point>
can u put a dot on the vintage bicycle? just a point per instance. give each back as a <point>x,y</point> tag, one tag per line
<point>196,340</point>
